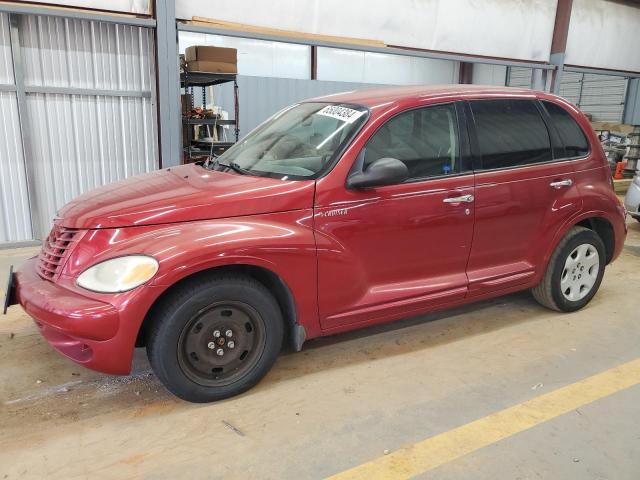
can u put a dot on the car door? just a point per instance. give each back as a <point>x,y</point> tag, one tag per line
<point>525,191</point>
<point>391,251</point>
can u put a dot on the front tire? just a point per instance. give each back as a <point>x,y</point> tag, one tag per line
<point>214,337</point>
<point>574,272</point>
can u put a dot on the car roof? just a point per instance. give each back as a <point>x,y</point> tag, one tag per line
<point>378,96</point>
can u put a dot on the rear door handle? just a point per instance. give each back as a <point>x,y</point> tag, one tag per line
<point>463,198</point>
<point>561,183</point>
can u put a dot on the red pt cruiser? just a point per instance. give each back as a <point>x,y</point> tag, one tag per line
<point>335,214</point>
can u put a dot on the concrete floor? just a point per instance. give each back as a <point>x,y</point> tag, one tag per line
<point>342,401</point>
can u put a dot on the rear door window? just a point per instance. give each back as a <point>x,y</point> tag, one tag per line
<point>574,140</point>
<point>510,133</point>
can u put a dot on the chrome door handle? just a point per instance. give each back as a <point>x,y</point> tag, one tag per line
<point>463,198</point>
<point>561,183</point>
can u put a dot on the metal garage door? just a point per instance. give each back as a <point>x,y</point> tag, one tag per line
<point>570,86</point>
<point>519,77</point>
<point>601,96</point>
<point>15,224</point>
<point>85,99</point>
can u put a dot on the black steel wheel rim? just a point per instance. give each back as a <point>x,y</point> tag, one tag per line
<point>221,343</point>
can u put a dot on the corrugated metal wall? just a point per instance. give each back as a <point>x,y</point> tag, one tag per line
<point>63,52</point>
<point>78,142</point>
<point>601,96</point>
<point>15,224</point>
<point>261,97</point>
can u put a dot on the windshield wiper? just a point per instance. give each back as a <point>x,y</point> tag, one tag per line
<point>235,167</point>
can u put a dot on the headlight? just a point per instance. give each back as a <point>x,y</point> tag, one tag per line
<point>119,274</point>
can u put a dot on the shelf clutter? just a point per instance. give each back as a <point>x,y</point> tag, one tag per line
<point>621,144</point>
<point>205,128</point>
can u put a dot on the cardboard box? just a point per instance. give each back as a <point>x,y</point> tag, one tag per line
<point>211,54</point>
<point>613,127</point>
<point>212,67</point>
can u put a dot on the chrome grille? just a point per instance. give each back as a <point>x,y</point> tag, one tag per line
<point>55,250</point>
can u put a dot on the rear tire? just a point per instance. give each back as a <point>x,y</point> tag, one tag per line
<point>574,272</point>
<point>214,337</point>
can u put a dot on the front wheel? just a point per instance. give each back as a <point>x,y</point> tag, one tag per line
<point>215,337</point>
<point>574,273</point>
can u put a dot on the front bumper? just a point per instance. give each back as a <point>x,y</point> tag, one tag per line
<point>84,329</point>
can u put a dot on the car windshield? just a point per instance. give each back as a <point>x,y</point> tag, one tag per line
<point>297,142</point>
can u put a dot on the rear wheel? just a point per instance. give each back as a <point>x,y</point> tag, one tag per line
<point>574,272</point>
<point>215,338</point>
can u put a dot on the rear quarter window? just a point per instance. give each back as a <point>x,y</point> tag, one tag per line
<point>574,140</point>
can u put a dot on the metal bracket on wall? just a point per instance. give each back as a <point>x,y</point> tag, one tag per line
<point>556,77</point>
<point>601,71</point>
<point>168,78</point>
<point>88,92</point>
<point>52,11</point>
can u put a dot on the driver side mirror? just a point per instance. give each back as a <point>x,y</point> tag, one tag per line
<point>384,171</point>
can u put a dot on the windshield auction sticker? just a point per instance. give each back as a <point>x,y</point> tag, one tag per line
<point>348,115</point>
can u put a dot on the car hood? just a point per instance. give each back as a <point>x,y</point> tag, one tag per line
<point>183,194</point>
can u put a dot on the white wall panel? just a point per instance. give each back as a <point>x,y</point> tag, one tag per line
<point>485,74</point>
<point>258,57</point>
<point>6,63</point>
<point>604,34</point>
<point>519,29</point>
<point>130,6</point>
<point>335,64</point>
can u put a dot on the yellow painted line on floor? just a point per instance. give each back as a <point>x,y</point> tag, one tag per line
<point>445,447</point>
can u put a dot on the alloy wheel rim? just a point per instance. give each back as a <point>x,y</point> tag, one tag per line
<point>221,343</point>
<point>580,272</point>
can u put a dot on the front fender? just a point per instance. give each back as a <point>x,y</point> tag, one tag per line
<point>280,242</point>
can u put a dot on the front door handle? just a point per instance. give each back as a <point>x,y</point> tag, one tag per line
<point>463,198</point>
<point>561,183</point>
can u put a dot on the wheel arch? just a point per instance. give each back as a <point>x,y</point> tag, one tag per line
<point>604,229</point>
<point>595,221</point>
<point>295,333</point>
